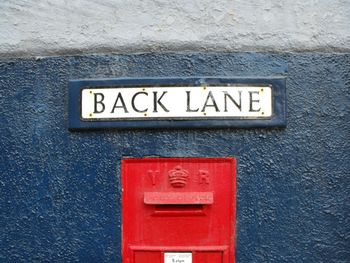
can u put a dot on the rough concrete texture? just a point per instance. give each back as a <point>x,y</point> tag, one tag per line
<point>60,190</point>
<point>36,28</point>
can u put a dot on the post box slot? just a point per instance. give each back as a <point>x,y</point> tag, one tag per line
<point>179,198</point>
<point>180,210</point>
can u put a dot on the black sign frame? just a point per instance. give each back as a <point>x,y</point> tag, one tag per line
<point>279,104</point>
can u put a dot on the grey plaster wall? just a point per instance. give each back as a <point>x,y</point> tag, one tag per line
<point>52,27</point>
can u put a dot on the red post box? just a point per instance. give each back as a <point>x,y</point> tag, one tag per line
<point>178,210</point>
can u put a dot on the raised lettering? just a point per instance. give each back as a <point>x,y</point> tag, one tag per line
<point>238,105</point>
<point>158,102</point>
<point>123,106</point>
<point>251,101</point>
<point>102,97</point>
<point>133,102</point>
<point>188,93</point>
<point>213,102</point>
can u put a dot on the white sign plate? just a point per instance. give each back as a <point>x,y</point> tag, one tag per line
<point>177,257</point>
<point>241,102</point>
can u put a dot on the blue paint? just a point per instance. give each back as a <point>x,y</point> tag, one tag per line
<point>60,190</point>
<point>278,118</point>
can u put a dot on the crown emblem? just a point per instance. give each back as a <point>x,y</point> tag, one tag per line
<point>178,177</point>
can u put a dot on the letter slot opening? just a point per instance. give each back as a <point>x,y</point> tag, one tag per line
<point>178,210</point>
<point>179,203</point>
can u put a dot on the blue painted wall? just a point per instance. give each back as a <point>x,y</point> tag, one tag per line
<point>60,190</point>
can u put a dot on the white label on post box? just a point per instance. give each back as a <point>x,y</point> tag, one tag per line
<point>215,102</point>
<point>177,257</point>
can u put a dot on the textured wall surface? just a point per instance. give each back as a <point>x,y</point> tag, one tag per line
<point>30,27</point>
<point>60,190</point>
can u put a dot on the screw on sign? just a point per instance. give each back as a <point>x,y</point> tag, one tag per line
<point>179,102</point>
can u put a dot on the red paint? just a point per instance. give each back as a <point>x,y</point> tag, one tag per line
<point>178,205</point>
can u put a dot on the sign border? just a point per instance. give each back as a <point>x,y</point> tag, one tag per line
<point>278,118</point>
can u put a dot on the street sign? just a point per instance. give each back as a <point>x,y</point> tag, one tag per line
<point>177,103</point>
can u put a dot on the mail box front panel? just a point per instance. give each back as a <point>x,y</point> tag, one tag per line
<point>178,210</point>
